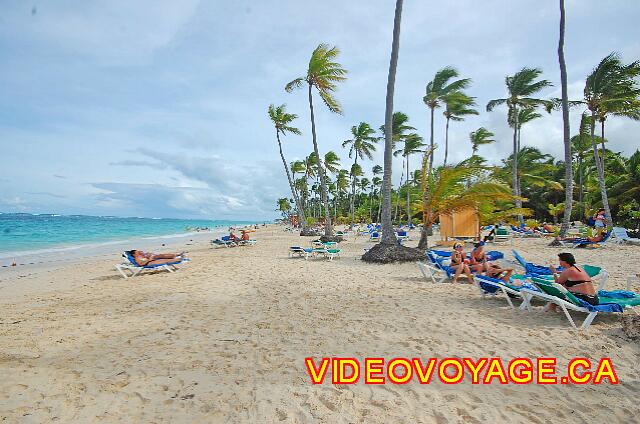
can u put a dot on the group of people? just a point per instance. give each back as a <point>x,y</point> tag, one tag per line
<point>477,263</point>
<point>572,277</point>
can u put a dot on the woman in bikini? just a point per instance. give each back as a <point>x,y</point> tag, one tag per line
<point>458,263</point>
<point>576,280</point>
<point>478,259</point>
<point>146,258</point>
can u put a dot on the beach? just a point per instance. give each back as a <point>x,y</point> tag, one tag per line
<point>224,339</point>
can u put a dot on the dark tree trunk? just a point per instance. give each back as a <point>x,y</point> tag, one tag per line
<point>328,231</point>
<point>352,207</point>
<point>568,157</point>
<point>388,236</point>
<point>408,194</point>
<point>514,164</point>
<point>301,218</point>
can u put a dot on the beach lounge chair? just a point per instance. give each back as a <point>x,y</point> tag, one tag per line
<point>610,302</point>
<point>247,242</point>
<point>435,270</point>
<point>494,286</point>
<point>585,242</point>
<point>300,252</point>
<point>374,236</point>
<point>326,252</point>
<point>129,264</point>
<point>501,236</point>
<point>402,236</point>
<point>620,236</point>
<point>224,241</point>
<point>596,273</point>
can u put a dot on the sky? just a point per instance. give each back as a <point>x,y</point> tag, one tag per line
<point>158,108</point>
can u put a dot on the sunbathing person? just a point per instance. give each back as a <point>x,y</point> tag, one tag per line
<point>499,273</point>
<point>595,239</point>
<point>459,263</point>
<point>146,258</point>
<point>576,280</point>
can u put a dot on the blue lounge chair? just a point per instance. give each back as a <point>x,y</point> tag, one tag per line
<point>132,267</point>
<point>585,242</point>
<point>224,241</point>
<point>300,252</point>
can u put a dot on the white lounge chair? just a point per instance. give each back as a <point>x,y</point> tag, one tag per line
<point>620,236</point>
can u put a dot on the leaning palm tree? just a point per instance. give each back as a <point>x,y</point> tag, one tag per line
<point>282,122</point>
<point>437,91</point>
<point>360,146</point>
<point>332,162</point>
<point>322,74</point>
<point>520,88</point>
<point>580,145</point>
<point>458,105</point>
<point>480,137</point>
<point>412,144</point>
<point>610,89</point>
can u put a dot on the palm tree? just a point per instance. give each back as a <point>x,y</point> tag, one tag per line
<point>610,89</point>
<point>282,122</point>
<point>322,74</point>
<point>566,130</point>
<point>412,144</point>
<point>520,87</point>
<point>437,92</point>
<point>342,182</point>
<point>580,144</point>
<point>480,137</point>
<point>332,162</point>
<point>388,235</point>
<point>360,146</point>
<point>457,106</point>
<point>377,170</point>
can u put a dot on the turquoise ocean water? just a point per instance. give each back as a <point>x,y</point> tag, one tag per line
<point>26,232</point>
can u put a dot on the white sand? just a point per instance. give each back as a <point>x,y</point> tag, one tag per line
<point>224,340</point>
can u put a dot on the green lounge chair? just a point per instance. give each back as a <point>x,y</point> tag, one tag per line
<point>558,294</point>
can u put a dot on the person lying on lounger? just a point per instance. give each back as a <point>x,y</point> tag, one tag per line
<point>459,263</point>
<point>148,258</point>
<point>499,273</point>
<point>576,280</point>
<point>595,239</point>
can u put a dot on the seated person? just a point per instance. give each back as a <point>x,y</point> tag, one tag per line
<point>548,228</point>
<point>245,236</point>
<point>459,263</point>
<point>147,258</point>
<point>576,280</point>
<point>478,259</point>
<point>233,237</point>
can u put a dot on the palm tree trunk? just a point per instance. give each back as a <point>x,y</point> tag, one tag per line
<point>602,148</point>
<point>446,142</point>
<point>408,194</point>
<point>426,201</point>
<point>431,139</point>
<point>352,208</point>
<point>581,183</point>
<point>301,217</point>
<point>599,165</point>
<point>514,164</point>
<point>388,236</point>
<point>328,231</point>
<point>395,215</point>
<point>568,156</point>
